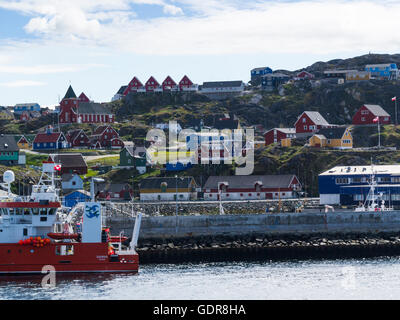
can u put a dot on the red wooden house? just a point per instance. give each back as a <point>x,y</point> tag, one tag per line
<point>75,110</point>
<point>368,112</point>
<point>169,84</point>
<point>311,121</point>
<point>185,83</point>
<point>25,116</point>
<point>70,163</point>
<point>116,191</point>
<point>304,75</point>
<point>134,86</point>
<point>78,138</point>
<point>277,134</point>
<point>105,137</point>
<point>152,85</point>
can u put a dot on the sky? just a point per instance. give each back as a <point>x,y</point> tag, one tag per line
<point>99,45</point>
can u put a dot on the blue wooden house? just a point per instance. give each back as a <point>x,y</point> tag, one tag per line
<point>50,140</point>
<point>26,107</point>
<point>71,199</point>
<point>385,71</point>
<point>258,73</point>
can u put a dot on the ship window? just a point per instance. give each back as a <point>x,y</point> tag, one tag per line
<point>65,250</point>
<point>35,211</point>
<point>25,232</point>
<point>27,211</point>
<point>52,211</point>
<point>12,211</point>
<point>18,211</point>
<point>43,211</point>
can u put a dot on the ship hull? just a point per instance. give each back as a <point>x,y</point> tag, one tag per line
<point>67,257</point>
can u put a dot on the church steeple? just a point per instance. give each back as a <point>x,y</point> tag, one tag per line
<point>70,94</point>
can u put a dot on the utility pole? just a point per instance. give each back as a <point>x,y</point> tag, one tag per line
<point>176,202</point>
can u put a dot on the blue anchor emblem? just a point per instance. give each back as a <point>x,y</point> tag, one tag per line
<point>92,212</point>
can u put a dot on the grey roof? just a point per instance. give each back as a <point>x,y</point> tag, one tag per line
<point>332,133</point>
<point>93,108</point>
<point>68,176</point>
<point>172,182</point>
<point>260,68</point>
<point>136,151</point>
<point>111,187</point>
<point>286,130</point>
<point>379,65</point>
<point>222,84</point>
<point>244,182</point>
<point>26,104</point>
<point>275,75</point>
<point>8,143</point>
<point>316,117</point>
<point>69,160</point>
<point>377,110</point>
<point>339,71</point>
<point>122,89</point>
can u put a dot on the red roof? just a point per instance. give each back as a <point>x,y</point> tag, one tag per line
<point>169,82</point>
<point>152,79</point>
<point>47,137</point>
<point>185,81</point>
<point>100,129</point>
<point>83,97</point>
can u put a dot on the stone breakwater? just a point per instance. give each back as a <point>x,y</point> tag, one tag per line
<point>259,247</point>
<point>210,207</point>
<point>264,236</point>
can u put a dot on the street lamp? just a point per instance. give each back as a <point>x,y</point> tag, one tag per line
<point>176,202</point>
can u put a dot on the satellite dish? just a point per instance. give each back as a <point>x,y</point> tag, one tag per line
<point>8,176</point>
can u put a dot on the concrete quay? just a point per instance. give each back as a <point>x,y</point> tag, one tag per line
<point>306,235</point>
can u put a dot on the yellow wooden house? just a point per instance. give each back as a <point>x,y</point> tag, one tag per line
<point>339,137</point>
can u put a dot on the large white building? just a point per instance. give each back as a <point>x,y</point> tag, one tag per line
<point>251,187</point>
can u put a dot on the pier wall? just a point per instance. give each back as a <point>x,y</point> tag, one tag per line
<point>169,227</point>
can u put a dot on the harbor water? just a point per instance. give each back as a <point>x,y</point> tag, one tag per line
<point>377,278</point>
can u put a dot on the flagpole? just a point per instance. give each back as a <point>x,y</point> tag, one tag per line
<point>395,108</point>
<point>379,134</point>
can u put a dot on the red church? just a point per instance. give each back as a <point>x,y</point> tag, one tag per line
<point>368,112</point>
<point>81,110</point>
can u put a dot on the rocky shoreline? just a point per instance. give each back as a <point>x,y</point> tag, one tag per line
<point>259,247</point>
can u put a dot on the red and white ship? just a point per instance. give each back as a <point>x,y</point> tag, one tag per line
<point>35,233</point>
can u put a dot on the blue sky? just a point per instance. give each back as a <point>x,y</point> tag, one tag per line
<point>99,45</point>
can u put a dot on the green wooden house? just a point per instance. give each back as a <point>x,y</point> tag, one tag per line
<point>9,151</point>
<point>131,156</point>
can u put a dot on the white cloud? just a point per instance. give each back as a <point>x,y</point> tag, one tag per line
<point>218,27</point>
<point>46,69</point>
<point>22,83</point>
<point>173,10</point>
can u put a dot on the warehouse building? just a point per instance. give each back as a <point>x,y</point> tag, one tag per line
<point>349,185</point>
